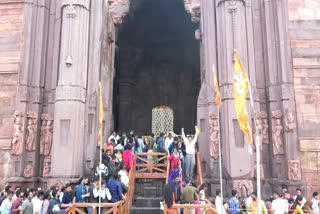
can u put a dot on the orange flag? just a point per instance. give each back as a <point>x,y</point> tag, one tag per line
<point>100,115</point>
<point>241,85</point>
<point>216,87</point>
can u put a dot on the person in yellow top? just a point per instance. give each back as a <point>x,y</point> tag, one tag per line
<point>296,207</point>
<point>253,205</point>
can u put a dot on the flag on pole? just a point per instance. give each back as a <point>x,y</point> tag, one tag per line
<point>216,87</point>
<point>240,86</point>
<point>100,115</point>
<point>197,129</point>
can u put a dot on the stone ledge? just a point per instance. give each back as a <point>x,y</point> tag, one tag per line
<point>309,144</point>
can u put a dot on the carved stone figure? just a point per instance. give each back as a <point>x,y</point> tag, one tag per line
<point>28,171</point>
<point>17,140</point>
<point>46,134</point>
<point>289,120</point>
<point>243,187</point>
<point>261,172</point>
<point>294,171</point>
<point>214,141</point>
<point>46,168</point>
<point>262,128</point>
<point>277,133</point>
<point>193,8</point>
<point>31,131</point>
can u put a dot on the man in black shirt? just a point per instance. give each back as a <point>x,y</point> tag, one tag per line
<point>67,197</point>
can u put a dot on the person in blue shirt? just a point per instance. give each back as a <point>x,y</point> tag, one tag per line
<point>234,206</point>
<point>67,197</point>
<point>54,202</point>
<point>175,172</point>
<point>160,144</point>
<point>115,189</point>
<point>82,194</point>
<point>173,145</point>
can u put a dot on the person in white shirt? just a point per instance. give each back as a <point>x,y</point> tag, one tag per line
<point>114,136</point>
<point>298,192</point>
<point>278,204</point>
<point>168,142</point>
<point>218,203</point>
<point>190,153</point>
<point>315,203</point>
<point>7,203</point>
<point>37,203</point>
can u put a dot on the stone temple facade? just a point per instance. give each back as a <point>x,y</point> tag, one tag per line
<point>149,53</point>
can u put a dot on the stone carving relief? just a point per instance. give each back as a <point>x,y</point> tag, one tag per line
<point>28,171</point>
<point>277,133</point>
<point>46,134</point>
<point>31,131</point>
<point>262,128</point>
<point>243,187</point>
<point>214,141</point>
<point>17,140</point>
<point>261,172</point>
<point>71,11</point>
<point>118,10</point>
<point>289,120</point>
<point>46,167</point>
<point>193,8</point>
<point>294,170</point>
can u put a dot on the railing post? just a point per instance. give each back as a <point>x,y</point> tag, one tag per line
<point>94,210</point>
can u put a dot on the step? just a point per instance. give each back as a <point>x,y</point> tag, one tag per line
<point>148,202</point>
<point>146,210</point>
<point>150,192</point>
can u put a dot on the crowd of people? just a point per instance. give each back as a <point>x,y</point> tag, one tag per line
<point>186,192</point>
<point>117,158</point>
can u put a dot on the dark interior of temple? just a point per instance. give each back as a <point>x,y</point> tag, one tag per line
<point>157,63</point>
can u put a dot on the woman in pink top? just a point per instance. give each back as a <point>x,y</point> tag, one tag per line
<point>174,159</point>
<point>127,156</point>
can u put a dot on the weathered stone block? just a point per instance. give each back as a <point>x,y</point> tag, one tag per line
<point>309,161</point>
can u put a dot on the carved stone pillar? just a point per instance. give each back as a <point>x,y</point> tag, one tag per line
<point>69,117</point>
<point>234,31</point>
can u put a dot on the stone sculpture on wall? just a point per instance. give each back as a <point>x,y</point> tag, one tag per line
<point>193,8</point>
<point>46,167</point>
<point>46,134</point>
<point>31,131</point>
<point>118,10</point>
<point>28,171</point>
<point>214,141</point>
<point>262,128</point>
<point>243,187</point>
<point>289,120</point>
<point>17,140</point>
<point>277,133</point>
<point>294,171</point>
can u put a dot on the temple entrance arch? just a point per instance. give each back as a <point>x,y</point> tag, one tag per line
<point>157,62</point>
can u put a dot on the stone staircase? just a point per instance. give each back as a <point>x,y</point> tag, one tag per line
<point>148,194</point>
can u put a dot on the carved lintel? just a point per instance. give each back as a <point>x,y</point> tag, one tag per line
<point>28,171</point>
<point>294,170</point>
<point>18,133</point>
<point>219,2</point>
<point>277,133</point>
<point>214,136</point>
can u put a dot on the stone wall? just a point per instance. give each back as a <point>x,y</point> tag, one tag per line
<point>11,52</point>
<point>304,9</point>
<point>305,49</point>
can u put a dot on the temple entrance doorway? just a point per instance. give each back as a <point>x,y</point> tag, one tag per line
<point>157,64</point>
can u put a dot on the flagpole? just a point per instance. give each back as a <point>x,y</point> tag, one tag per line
<point>100,141</point>
<point>257,151</point>
<point>100,177</point>
<point>220,161</point>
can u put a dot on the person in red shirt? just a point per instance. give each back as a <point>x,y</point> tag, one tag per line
<point>174,159</point>
<point>127,156</point>
<point>17,203</point>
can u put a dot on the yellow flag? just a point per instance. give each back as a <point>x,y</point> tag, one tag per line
<point>216,87</point>
<point>100,115</point>
<point>241,85</point>
<point>197,130</point>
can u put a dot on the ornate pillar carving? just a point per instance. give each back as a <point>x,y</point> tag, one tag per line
<point>70,95</point>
